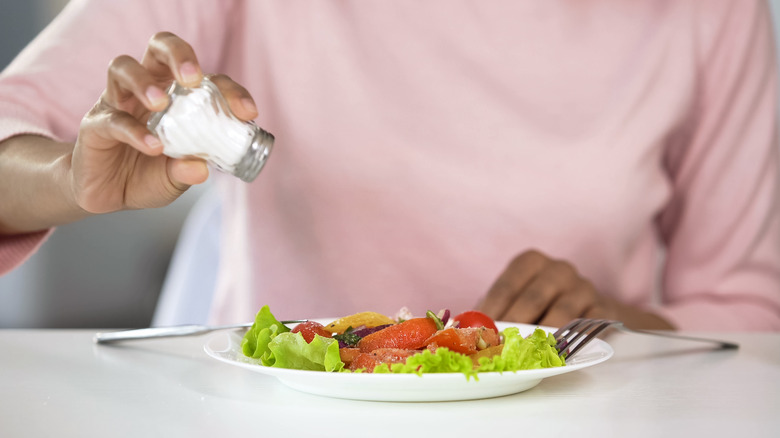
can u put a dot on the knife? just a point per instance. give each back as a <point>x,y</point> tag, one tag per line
<point>170,331</point>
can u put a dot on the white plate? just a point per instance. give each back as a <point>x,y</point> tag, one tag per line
<point>226,347</point>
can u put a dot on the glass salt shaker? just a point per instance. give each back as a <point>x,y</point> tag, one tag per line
<point>199,123</point>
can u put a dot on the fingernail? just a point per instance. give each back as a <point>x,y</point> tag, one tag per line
<point>156,96</point>
<point>190,74</point>
<point>152,141</point>
<point>249,105</point>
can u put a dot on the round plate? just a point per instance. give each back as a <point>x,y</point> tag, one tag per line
<point>226,347</point>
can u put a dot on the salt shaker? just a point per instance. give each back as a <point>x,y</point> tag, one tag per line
<point>199,123</point>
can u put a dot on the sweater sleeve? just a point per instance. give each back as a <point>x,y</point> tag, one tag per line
<point>60,75</point>
<point>722,228</point>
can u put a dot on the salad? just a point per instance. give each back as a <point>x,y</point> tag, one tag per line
<point>370,342</point>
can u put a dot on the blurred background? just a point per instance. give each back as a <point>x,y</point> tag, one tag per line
<point>104,271</point>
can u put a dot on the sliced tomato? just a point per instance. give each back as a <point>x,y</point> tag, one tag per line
<point>454,339</point>
<point>408,335</point>
<point>348,355</point>
<point>368,361</point>
<point>310,328</point>
<point>475,318</point>
<point>467,340</point>
<point>489,352</point>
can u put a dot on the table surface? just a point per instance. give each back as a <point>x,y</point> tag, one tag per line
<point>59,383</point>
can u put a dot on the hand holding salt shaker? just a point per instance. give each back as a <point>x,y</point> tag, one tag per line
<point>198,123</point>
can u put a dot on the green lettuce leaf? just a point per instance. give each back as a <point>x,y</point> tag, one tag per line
<point>256,340</point>
<point>534,352</point>
<point>271,342</point>
<point>292,351</point>
<point>441,361</point>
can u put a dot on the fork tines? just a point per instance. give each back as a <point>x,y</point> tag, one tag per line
<point>578,333</point>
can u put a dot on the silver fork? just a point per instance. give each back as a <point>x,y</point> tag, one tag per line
<point>575,335</point>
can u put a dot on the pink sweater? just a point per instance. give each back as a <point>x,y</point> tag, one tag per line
<point>421,145</point>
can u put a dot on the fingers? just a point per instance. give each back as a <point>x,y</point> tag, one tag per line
<point>109,126</point>
<point>167,57</point>
<point>537,289</point>
<point>239,99</point>
<point>129,82</point>
<point>134,88</point>
<point>187,172</point>
<point>552,285</point>
<point>569,305</point>
<point>502,295</point>
<point>170,57</point>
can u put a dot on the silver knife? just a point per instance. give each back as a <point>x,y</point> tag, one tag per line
<point>170,331</point>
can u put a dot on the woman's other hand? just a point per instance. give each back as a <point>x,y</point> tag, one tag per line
<point>537,289</point>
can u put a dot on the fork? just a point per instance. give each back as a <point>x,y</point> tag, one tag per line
<point>575,335</point>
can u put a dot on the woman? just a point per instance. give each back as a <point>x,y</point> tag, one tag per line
<point>423,146</point>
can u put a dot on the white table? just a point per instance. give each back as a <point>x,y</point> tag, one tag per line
<point>58,383</point>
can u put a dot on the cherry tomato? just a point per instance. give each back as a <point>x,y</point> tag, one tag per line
<point>475,318</point>
<point>310,328</point>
